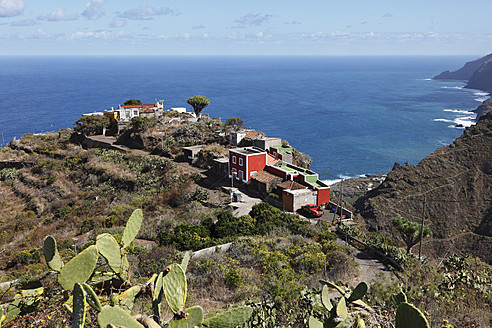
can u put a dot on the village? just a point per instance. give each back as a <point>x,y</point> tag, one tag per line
<point>257,167</point>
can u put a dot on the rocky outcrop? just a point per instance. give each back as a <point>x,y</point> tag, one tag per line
<point>484,108</point>
<point>482,78</point>
<point>466,72</point>
<point>454,183</point>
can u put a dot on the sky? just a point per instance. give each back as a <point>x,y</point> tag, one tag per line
<point>247,27</point>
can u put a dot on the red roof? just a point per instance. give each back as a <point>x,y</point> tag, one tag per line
<point>264,176</point>
<point>137,106</point>
<point>292,185</point>
<point>252,135</point>
<point>271,159</point>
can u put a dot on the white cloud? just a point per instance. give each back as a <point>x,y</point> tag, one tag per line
<point>197,27</point>
<point>26,22</point>
<point>58,15</point>
<point>259,34</point>
<point>118,23</point>
<point>94,9</point>
<point>11,8</point>
<point>292,22</point>
<point>252,20</point>
<point>146,12</point>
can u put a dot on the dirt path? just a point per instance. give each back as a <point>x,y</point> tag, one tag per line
<point>371,269</point>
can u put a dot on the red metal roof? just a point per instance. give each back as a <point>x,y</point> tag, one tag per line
<point>137,106</point>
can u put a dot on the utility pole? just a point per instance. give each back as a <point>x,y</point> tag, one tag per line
<point>422,230</point>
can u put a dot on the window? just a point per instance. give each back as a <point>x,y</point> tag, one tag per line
<point>233,159</point>
<point>240,174</point>
<point>240,161</point>
<point>135,113</point>
<point>234,172</point>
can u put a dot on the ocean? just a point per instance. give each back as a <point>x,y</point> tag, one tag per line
<point>352,115</point>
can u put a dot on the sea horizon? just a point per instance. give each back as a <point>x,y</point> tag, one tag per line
<point>354,115</point>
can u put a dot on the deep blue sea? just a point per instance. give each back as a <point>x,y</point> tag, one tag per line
<point>353,115</point>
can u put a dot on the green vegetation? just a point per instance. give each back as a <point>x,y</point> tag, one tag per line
<point>92,124</point>
<point>198,103</point>
<point>234,123</point>
<point>411,232</point>
<point>133,102</point>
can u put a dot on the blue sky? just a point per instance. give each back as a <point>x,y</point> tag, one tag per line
<point>248,27</point>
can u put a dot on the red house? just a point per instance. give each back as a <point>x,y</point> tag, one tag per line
<point>245,162</point>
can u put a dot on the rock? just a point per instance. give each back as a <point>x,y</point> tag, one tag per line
<point>466,72</point>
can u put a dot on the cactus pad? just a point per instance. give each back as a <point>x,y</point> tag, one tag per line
<point>231,318</point>
<point>342,309</point>
<point>194,318</point>
<point>79,269</point>
<point>109,248</point>
<point>174,284</point>
<point>359,292</point>
<point>397,299</point>
<point>325,298</point>
<point>51,254</point>
<point>332,285</point>
<point>186,260</point>
<point>117,317</point>
<point>128,297</point>
<point>132,227</point>
<point>408,316</point>
<point>157,298</point>
<point>79,304</point>
<point>91,297</point>
<point>315,323</point>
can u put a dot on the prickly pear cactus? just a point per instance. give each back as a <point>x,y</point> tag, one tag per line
<point>186,260</point>
<point>127,298</point>
<point>359,292</point>
<point>51,254</point>
<point>408,316</point>
<point>332,285</point>
<point>91,297</point>
<point>79,269</point>
<point>132,227</point>
<point>231,318</point>
<point>325,298</point>
<point>189,318</point>
<point>397,299</point>
<point>109,248</point>
<point>157,298</point>
<point>174,284</point>
<point>116,316</point>
<point>79,304</point>
<point>315,323</point>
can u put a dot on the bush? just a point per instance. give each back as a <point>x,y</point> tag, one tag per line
<point>10,174</point>
<point>228,225</point>
<point>92,125</point>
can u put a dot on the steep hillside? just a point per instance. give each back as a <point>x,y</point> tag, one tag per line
<point>482,78</point>
<point>484,108</point>
<point>455,183</point>
<point>466,72</point>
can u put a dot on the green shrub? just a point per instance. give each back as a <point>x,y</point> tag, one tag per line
<point>9,174</point>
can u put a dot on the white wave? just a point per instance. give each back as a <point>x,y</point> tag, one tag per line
<point>341,177</point>
<point>457,111</point>
<point>481,99</point>
<point>456,87</point>
<point>481,93</point>
<point>442,120</point>
<point>465,121</point>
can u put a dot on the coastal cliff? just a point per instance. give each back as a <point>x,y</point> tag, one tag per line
<point>478,73</point>
<point>454,183</point>
<point>484,108</point>
<point>466,72</point>
<point>482,78</point>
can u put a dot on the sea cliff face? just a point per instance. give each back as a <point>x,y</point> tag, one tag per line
<point>455,183</point>
<point>484,108</point>
<point>482,78</point>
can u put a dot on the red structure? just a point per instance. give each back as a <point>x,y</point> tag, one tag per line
<point>245,162</point>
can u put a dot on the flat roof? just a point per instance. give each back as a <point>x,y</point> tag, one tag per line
<point>283,149</point>
<point>248,150</point>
